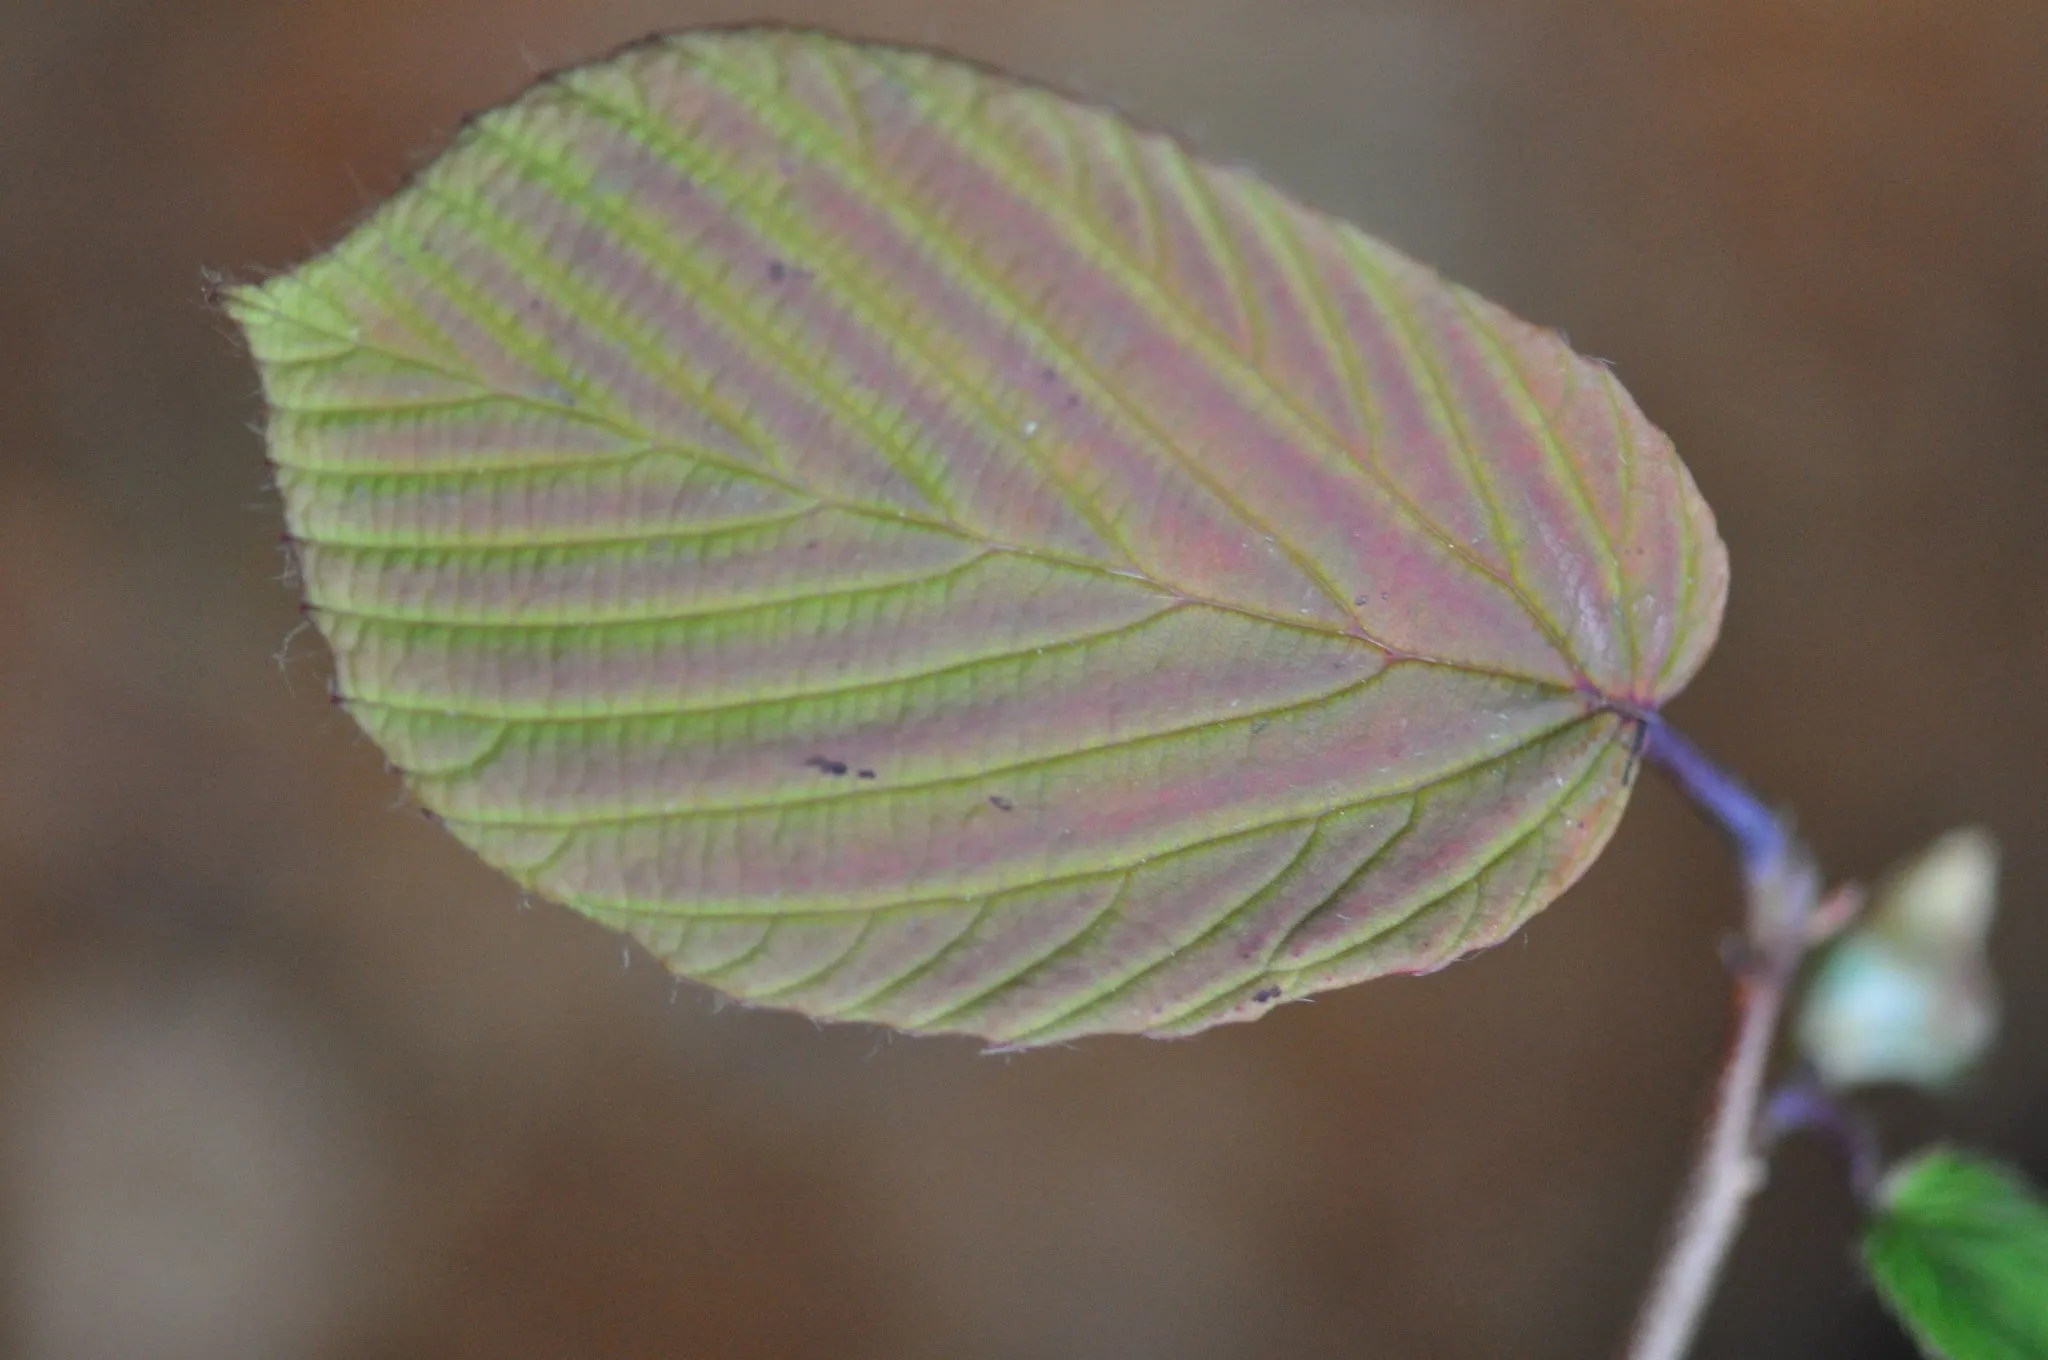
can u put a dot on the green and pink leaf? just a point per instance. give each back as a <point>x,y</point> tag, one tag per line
<point>911,547</point>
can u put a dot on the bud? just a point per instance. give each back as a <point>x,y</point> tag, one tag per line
<point>1906,995</point>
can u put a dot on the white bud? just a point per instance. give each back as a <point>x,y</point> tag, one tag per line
<point>1907,995</point>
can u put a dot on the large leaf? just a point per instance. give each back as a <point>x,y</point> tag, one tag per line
<point>1958,1246</point>
<point>907,546</point>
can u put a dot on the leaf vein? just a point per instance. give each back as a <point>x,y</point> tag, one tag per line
<point>891,792</point>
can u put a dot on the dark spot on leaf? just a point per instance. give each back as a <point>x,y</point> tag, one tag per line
<point>1260,724</point>
<point>826,766</point>
<point>1073,399</point>
<point>1360,599</point>
<point>1000,803</point>
<point>1266,994</point>
<point>810,545</point>
<point>1049,374</point>
<point>777,271</point>
<point>865,774</point>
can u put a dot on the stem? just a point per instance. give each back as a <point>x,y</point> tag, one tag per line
<point>1782,885</point>
<point>1803,1104</point>
<point>1760,835</point>
<point>1727,1173</point>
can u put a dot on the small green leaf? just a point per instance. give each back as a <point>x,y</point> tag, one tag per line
<point>1958,1247</point>
<point>911,547</point>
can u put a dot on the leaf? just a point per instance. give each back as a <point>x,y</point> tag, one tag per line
<point>909,547</point>
<point>1958,1247</point>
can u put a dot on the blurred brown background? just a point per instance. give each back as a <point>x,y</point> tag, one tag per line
<point>283,1072</point>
